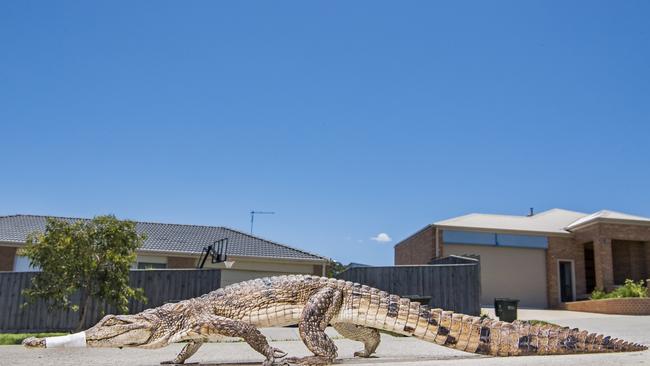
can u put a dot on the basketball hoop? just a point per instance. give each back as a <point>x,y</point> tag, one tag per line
<point>228,264</point>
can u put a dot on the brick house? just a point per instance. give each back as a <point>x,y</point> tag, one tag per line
<point>543,259</point>
<point>179,246</point>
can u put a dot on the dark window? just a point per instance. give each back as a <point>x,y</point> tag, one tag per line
<point>145,265</point>
<point>590,268</point>
<point>566,281</point>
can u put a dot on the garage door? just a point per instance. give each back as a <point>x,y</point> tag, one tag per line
<point>518,273</point>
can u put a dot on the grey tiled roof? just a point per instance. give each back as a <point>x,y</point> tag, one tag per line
<point>187,239</point>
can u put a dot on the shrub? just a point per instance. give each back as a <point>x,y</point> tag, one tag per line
<point>630,289</point>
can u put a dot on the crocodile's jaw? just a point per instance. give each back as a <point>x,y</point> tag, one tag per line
<point>140,330</point>
<point>122,331</point>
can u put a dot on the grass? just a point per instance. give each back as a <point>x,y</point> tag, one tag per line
<point>540,323</point>
<point>17,338</point>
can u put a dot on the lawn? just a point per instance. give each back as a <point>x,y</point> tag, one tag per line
<point>17,338</point>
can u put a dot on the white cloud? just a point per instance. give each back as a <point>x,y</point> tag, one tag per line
<point>382,238</point>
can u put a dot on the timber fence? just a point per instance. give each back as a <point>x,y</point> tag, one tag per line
<point>160,286</point>
<point>454,285</point>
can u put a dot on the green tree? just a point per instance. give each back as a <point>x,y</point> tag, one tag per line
<point>90,256</point>
<point>334,268</point>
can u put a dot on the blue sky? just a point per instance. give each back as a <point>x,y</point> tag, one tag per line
<point>348,119</point>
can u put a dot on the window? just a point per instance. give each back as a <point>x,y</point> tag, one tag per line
<point>494,239</point>
<point>146,265</point>
<point>21,264</point>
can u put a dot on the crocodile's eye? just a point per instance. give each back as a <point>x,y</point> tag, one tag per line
<point>113,321</point>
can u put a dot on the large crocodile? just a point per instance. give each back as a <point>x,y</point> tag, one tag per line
<point>357,312</point>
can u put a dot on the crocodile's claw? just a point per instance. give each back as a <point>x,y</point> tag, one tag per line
<point>271,354</point>
<point>33,342</point>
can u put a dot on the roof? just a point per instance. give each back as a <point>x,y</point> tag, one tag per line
<point>177,238</point>
<point>552,221</point>
<point>555,221</point>
<point>607,216</point>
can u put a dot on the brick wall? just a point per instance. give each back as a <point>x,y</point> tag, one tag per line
<point>632,306</point>
<point>181,262</point>
<point>419,248</point>
<point>625,232</point>
<point>604,261</point>
<point>7,257</point>
<point>603,235</point>
<point>564,248</point>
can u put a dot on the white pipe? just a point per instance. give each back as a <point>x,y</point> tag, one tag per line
<point>67,341</point>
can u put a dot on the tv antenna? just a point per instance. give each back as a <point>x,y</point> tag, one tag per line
<point>253,213</point>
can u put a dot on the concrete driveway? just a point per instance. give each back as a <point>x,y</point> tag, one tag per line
<point>392,351</point>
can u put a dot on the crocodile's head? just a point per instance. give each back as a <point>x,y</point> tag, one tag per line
<point>124,331</point>
<point>139,330</point>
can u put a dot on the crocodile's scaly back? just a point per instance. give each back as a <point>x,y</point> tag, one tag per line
<point>266,302</point>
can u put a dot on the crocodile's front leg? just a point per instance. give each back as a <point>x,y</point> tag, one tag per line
<point>217,325</point>
<point>316,315</point>
<point>190,348</point>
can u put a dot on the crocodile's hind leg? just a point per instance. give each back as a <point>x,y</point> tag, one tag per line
<point>369,336</point>
<point>316,315</point>
<point>190,348</point>
<point>216,325</point>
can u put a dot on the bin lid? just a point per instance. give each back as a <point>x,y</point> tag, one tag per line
<point>506,300</point>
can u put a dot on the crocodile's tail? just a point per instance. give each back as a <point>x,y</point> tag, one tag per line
<point>467,333</point>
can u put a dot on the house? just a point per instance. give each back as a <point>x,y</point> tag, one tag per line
<point>542,259</point>
<point>179,246</point>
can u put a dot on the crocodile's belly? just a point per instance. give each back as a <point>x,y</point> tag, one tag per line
<point>278,315</point>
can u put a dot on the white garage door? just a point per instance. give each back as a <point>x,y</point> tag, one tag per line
<point>518,273</point>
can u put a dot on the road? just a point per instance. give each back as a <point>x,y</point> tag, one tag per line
<point>392,351</point>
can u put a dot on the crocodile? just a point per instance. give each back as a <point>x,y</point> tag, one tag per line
<point>357,312</point>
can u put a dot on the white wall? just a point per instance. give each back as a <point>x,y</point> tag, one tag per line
<point>518,273</point>
<point>250,268</point>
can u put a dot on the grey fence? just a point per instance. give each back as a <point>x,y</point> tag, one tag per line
<point>160,286</point>
<point>454,286</point>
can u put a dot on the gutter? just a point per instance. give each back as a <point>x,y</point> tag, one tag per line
<point>506,231</point>
<point>184,254</point>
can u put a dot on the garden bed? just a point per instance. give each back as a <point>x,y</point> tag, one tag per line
<point>623,306</point>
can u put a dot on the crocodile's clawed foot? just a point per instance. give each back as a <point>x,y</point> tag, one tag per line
<point>271,354</point>
<point>308,361</point>
<point>177,363</point>
<point>362,354</point>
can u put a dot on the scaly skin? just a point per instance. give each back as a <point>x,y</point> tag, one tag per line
<point>357,312</point>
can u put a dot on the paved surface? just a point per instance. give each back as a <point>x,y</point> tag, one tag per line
<point>392,351</point>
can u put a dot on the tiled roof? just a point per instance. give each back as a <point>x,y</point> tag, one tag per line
<point>186,239</point>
